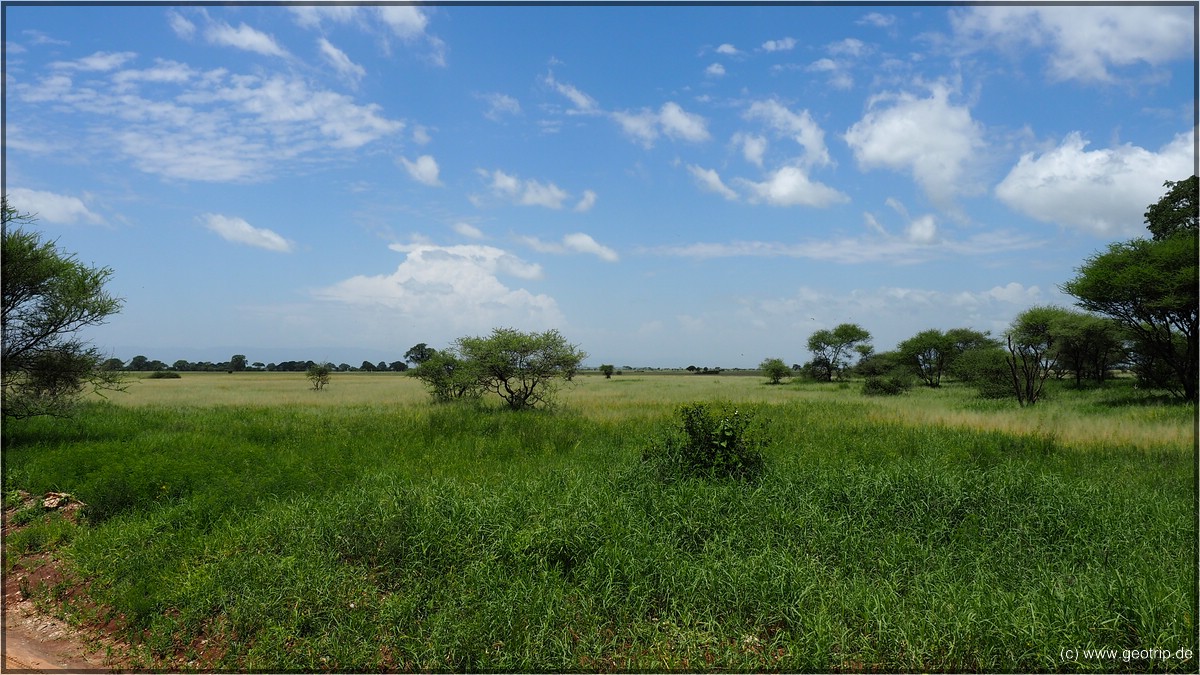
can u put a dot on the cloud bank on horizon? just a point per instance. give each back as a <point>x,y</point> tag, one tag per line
<point>349,180</point>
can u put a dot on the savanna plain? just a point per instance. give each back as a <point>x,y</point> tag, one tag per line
<point>244,522</point>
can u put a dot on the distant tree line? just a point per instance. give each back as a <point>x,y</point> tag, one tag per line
<point>238,363</point>
<point>1139,299</point>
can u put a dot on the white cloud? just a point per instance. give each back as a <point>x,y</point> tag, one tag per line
<point>856,250</point>
<point>424,170</point>
<point>791,186</point>
<point>243,37</point>
<point>468,230</point>
<point>52,207</point>
<point>239,231</point>
<point>711,181</point>
<point>848,47</point>
<point>406,21</point>
<point>181,26</point>
<point>753,147</point>
<point>727,49</point>
<point>641,126</point>
<point>929,137</point>
<point>163,72</point>
<point>450,289</point>
<point>526,192</point>
<point>678,123</point>
<point>671,120</point>
<point>715,70</point>
<point>340,62</point>
<point>500,105</point>
<point>839,77</point>
<point>577,242</point>
<point>800,127</point>
<point>586,202</point>
<point>1102,192</point>
<point>98,62</point>
<point>583,103</point>
<point>786,44</point>
<point>878,20</point>
<point>313,16</point>
<point>1086,42</point>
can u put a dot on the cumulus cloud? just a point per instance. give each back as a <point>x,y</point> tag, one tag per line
<point>424,170</point>
<point>715,70</point>
<point>800,127</point>
<point>671,120</point>
<point>791,186</point>
<point>727,49</point>
<point>783,45</point>
<point>586,202</point>
<point>243,37</point>
<point>239,231</point>
<point>753,147</point>
<point>1086,42</point>
<point>928,137</point>
<point>52,207</point>
<point>1103,192</point>
<point>526,192</point>
<point>451,288</point>
<point>577,242</point>
<point>405,21</point>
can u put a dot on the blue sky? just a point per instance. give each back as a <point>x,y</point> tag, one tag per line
<point>665,185</point>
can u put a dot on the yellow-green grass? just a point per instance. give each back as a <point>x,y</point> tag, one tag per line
<point>242,522</point>
<point>1072,418</point>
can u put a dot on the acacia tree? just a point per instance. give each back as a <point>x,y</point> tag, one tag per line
<point>447,376</point>
<point>831,349</point>
<point>774,370</point>
<point>1150,288</point>
<point>1031,351</point>
<point>521,367</point>
<point>318,374</point>
<point>931,352</point>
<point>48,297</point>
<point>607,369</point>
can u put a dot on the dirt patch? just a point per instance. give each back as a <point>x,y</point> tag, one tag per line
<point>33,641</point>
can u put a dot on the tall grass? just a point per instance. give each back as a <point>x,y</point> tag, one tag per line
<point>408,536</point>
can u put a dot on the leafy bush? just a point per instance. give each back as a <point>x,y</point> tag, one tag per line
<point>711,441</point>
<point>163,375</point>
<point>889,385</point>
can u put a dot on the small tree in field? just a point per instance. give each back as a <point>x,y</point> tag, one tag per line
<point>607,370</point>
<point>318,374</point>
<point>521,367</point>
<point>774,370</point>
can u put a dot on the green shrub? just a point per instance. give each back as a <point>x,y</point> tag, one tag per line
<point>710,441</point>
<point>890,385</point>
<point>163,375</point>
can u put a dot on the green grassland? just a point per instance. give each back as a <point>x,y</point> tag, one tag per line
<point>244,522</point>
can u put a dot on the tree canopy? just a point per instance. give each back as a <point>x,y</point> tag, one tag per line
<point>831,349</point>
<point>48,297</point>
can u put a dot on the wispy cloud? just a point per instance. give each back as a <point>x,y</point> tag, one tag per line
<point>243,37</point>
<point>52,207</point>
<point>238,231</point>
<point>577,242</point>
<point>349,70</point>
